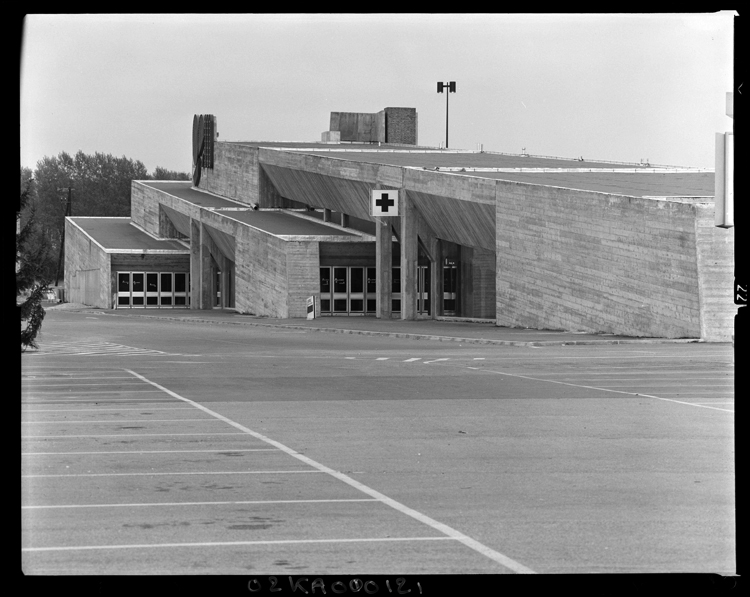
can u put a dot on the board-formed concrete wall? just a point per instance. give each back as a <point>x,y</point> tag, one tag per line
<point>144,206</point>
<point>87,270</point>
<point>235,173</point>
<point>715,276</point>
<point>585,261</point>
<point>274,277</point>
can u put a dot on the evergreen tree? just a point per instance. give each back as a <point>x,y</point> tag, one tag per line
<point>31,284</point>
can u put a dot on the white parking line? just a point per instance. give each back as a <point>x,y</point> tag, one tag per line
<point>107,452</point>
<point>116,421</point>
<point>165,474</point>
<point>237,543</point>
<point>435,361</point>
<point>412,360</point>
<point>124,435</point>
<point>450,532</point>
<point>564,383</point>
<point>67,410</point>
<point>156,504</point>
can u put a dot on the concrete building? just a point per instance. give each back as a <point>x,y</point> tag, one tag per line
<point>527,241</point>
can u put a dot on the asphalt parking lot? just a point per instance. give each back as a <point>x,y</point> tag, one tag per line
<point>169,447</point>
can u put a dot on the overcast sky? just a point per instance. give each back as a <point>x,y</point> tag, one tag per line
<point>610,87</point>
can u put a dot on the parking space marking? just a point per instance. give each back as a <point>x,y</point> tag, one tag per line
<point>226,503</point>
<point>449,532</point>
<point>117,421</point>
<point>565,383</point>
<point>107,452</point>
<point>235,543</point>
<point>66,410</point>
<point>127,435</point>
<point>87,348</point>
<point>150,474</point>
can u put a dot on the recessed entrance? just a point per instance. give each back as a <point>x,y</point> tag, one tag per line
<point>347,290</point>
<point>152,290</point>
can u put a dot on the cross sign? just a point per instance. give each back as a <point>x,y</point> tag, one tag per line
<point>384,202</point>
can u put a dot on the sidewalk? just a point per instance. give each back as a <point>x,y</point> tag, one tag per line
<point>468,332</point>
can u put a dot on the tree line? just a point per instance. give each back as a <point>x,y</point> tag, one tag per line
<point>97,185</point>
<point>100,186</point>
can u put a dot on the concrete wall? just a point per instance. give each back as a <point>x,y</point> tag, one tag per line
<point>144,206</point>
<point>359,127</point>
<point>484,301</point>
<point>401,125</point>
<point>715,276</point>
<point>87,270</point>
<point>235,172</point>
<point>593,262</point>
<point>274,277</point>
<point>237,175</point>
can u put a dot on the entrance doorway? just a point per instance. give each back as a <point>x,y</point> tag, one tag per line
<point>450,286</point>
<point>347,290</point>
<point>423,290</point>
<point>152,289</point>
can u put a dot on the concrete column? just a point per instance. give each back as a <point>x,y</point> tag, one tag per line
<point>344,220</point>
<point>465,294</point>
<point>383,266</point>
<point>326,215</point>
<point>227,273</point>
<point>436,279</point>
<point>409,254</point>
<point>195,264</point>
<point>206,279</point>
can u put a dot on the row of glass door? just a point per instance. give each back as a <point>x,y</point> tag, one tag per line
<point>349,290</point>
<point>153,289</point>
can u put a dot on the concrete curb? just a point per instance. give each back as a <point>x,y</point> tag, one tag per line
<point>408,335</point>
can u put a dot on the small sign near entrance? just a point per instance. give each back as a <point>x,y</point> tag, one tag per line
<point>311,307</point>
<point>384,202</point>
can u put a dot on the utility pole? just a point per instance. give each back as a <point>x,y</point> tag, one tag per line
<point>68,212</point>
<point>450,87</point>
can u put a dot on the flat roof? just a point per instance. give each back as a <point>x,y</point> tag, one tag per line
<point>417,157</point>
<point>185,190</point>
<point>652,184</point>
<point>285,223</point>
<point>276,222</point>
<point>631,179</point>
<point>119,234</point>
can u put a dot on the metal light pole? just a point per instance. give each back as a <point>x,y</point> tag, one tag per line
<point>68,212</point>
<point>450,87</point>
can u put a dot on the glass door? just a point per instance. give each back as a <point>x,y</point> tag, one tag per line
<point>371,289</point>
<point>138,292</point>
<point>340,295</point>
<point>123,289</point>
<point>423,289</point>
<point>165,289</point>
<point>152,289</point>
<point>325,290</point>
<point>449,289</point>
<point>181,294</point>
<point>396,290</point>
<point>356,290</point>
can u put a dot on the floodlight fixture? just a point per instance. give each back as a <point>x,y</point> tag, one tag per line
<point>449,87</point>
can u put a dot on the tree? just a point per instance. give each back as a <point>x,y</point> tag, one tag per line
<point>164,174</point>
<point>101,186</point>
<point>31,283</point>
